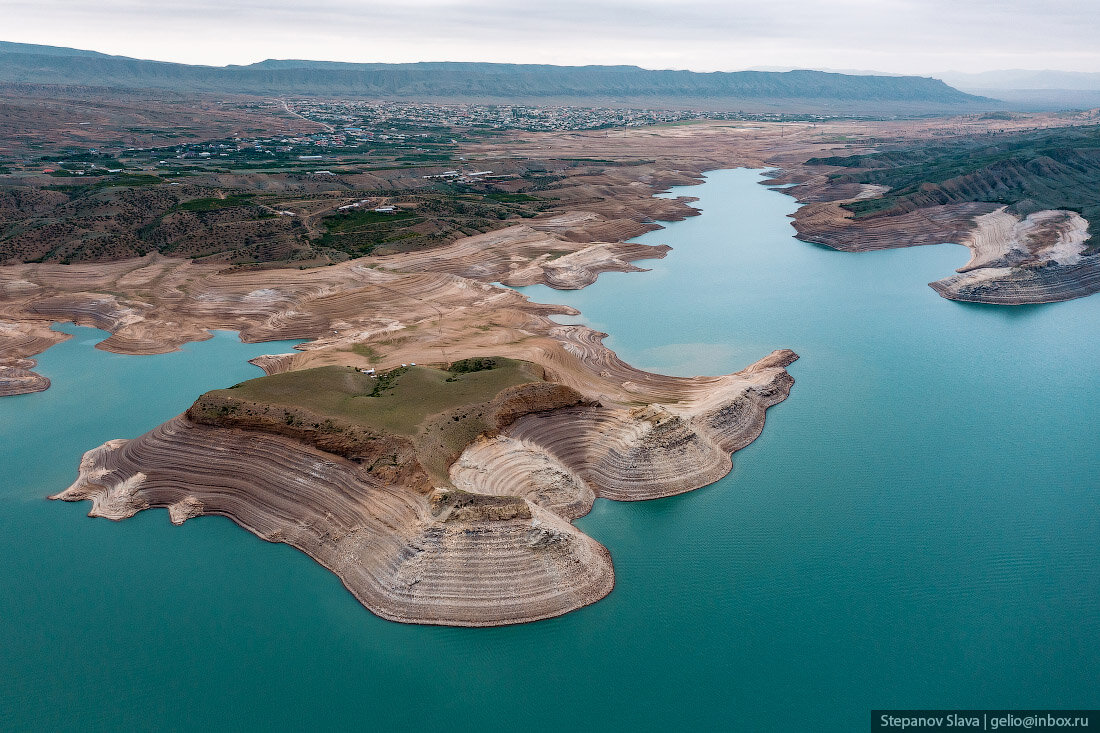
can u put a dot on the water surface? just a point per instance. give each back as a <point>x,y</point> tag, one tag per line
<point>918,526</point>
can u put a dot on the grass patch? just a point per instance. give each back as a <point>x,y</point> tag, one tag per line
<point>399,401</point>
<point>129,180</point>
<point>511,198</point>
<point>354,220</point>
<point>213,204</point>
<point>369,352</point>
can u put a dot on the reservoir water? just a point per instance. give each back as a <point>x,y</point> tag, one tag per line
<point>917,527</point>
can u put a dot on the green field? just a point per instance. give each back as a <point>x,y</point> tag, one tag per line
<point>213,204</point>
<point>435,217</point>
<point>440,410</point>
<point>356,220</point>
<point>398,401</point>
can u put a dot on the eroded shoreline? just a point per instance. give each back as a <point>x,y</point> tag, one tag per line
<point>411,553</point>
<point>491,546</point>
<point>491,542</point>
<point>155,304</point>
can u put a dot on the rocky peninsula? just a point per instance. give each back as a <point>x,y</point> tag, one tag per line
<point>1019,200</point>
<point>439,495</point>
<point>462,516</point>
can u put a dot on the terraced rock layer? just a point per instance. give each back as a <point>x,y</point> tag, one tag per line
<point>493,544</point>
<point>1014,260</point>
<point>1035,259</point>
<point>16,340</point>
<point>16,378</point>
<point>436,558</point>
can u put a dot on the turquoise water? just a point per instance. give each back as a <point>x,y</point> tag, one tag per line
<point>918,526</point>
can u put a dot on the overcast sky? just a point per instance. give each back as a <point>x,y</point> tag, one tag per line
<point>902,36</point>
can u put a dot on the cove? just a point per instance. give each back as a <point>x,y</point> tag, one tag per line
<point>917,526</point>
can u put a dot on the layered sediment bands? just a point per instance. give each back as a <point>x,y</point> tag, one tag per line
<point>829,224</point>
<point>337,305</point>
<point>171,302</point>
<point>1031,246</point>
<point>16,378</point>
<point>447,558</point>
<point>486,541</point>
<point>273,363</point>
<point>1037,259</point>
<point>1045,282</point>
<point>581,268</point>
<point>644,452</point>
<point>505,466</point>
<point>624,454</point>
<point>531,254</point>
<point>492,542</point>
<point>19,340</point>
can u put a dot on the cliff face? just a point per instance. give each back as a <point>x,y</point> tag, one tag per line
<point>491,543</point>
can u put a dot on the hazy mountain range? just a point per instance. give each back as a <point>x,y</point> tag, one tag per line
<point>27,63</point>
<point>1023,79</point>
<point>1029,88</point>
<point>1022,88</point>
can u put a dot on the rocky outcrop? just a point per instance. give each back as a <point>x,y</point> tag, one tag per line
<point>506,466</point>
<point>489,541</point>
<point>1014,260</point>
<point>446,557</point>
<point>16,378</point>
<point>532,254</point>
<point>1041,282</point>
<point>16,340</point>
<point>580,269</point>
<point>565,458</point>
<point>1040,258</point>
<point>490,544</point>
<point>829,224</point>
<point>390,458</point>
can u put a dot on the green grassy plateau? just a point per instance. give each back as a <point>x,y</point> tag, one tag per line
<point>397,421</point>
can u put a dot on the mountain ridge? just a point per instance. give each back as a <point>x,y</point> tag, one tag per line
<point>27,63</point>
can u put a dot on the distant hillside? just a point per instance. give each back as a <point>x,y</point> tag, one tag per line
<point>23,63</point>
<point>34,48</point>
<point>1031,90</point>
<point>1024,79</point>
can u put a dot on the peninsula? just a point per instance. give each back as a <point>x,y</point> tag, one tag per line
<point>440,495</point>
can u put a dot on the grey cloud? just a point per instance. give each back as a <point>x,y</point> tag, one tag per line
<point>895,35</point>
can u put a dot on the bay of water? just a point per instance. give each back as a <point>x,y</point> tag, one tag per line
<point>918,526</point>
